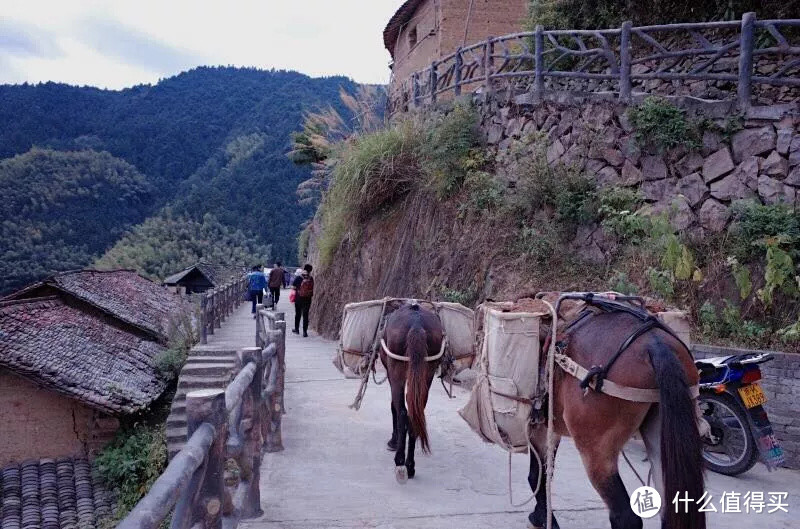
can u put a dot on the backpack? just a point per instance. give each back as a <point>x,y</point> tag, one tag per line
<point>306,289</point>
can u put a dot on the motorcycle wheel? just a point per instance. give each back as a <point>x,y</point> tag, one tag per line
<point>730,449</point>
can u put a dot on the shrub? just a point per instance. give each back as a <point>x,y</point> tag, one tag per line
<point>131,463</point>
<point>539,242</point>
<point>170,362</point>
<point>661,282</point>
<point>661,125</point>
<point>570,194</point>
<point>484,192</point>
<point>707,316</point>
<point>619,212</point>
<point>302,244</point>
<point>778,275</point>
<point>755,224</point>
<point>446,151</point>
<point>619,282</point>
<point>465,297</point>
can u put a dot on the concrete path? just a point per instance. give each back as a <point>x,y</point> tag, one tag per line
<point>336,472</point>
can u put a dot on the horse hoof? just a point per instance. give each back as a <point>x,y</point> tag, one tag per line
<point>401,474</point>
<point>411,472</point>
<point>391,446</point>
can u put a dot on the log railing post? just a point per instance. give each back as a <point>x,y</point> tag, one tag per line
<point>248,449</point>
<point>433,82</point>
<point>625,63</point>
<point>488,63</point>
<point>538,75</point>
<point>744,89</point>
<point>203,318</point>
<point>459,64</point>
<point>201,502</point>
<point>218,308</point>
<point>210,318</point>
<point>271,427</point>
<point>280,326</point>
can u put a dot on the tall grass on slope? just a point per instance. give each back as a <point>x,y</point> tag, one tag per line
<point>372,171</point>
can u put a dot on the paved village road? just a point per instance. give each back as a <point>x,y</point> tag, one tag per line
<point>335,471</point>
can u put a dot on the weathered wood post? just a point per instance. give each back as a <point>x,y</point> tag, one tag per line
<point>459,64</point>
<point>272,419</point>
<point>250,427</point>
<point>744,89</point>
<point>280,326</point>
<point>433,82</point>
<point>415,88</point>
<point>538,75</point>
<point>488,63</point>
<point>210,318</point>
<point>201,501</point>
<point>625,62</point>
<point>203,318</point>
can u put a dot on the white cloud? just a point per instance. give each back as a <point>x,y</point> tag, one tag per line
<point>117,44</point>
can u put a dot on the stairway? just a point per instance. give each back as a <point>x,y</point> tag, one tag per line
<point>204,369</point>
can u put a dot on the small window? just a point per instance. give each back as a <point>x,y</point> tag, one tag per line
<point>412,37</point>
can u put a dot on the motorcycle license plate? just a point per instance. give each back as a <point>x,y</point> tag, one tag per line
<point>752,395</point>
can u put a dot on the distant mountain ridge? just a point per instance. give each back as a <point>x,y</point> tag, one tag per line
<point>212,140</point>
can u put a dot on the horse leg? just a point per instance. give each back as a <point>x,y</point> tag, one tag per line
<point>398,398</point>
<point>538,518</point>
<point>412,442</point>
<point>392,444</point>
<point>601,465</point>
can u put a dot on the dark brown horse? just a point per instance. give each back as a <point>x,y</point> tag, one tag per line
<point>412,341</point>
<point>600,424</point>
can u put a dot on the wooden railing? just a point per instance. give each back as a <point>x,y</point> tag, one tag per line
<point>213,482</point>
<point>218,303</point>
<point>623,58</point>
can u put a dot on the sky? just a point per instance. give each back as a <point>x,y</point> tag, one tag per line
<point>120,43</point>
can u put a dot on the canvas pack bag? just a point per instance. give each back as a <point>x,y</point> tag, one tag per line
<point>361,322</point>
<point>508,375</point>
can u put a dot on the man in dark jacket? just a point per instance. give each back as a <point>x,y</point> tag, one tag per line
<point>275,283</point>
<point>304,291</point>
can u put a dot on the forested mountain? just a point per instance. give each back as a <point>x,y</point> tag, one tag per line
<point>211,140</point>
<point>60,208</point>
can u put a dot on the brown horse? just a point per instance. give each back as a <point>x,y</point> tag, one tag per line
<point>413,336</point>
<point>600,424</point>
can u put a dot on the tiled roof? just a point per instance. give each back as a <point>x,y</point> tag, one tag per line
<point>72,352</point>
<point>401,16</point>
<point>215,273</point>
<point>122,293</point>
<point>53,494</point>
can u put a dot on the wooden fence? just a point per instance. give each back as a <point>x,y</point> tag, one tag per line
<point>728,52</point>
<point>213,482</point>
<point>218,303</point>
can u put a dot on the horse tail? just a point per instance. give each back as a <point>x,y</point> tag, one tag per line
<point>681,445</point>
<point>417,389</point>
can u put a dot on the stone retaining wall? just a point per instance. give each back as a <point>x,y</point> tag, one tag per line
<point>781,383</point>
<point>761,161</point>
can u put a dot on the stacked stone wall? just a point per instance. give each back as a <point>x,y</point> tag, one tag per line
<point>697,186</point>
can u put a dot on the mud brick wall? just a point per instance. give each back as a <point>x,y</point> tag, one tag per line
<point>37,423</point>
<point>781,383</point>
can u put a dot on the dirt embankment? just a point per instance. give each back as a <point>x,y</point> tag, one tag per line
<point>422,248</point>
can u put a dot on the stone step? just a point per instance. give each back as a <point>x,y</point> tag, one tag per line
<point>215,359</point>
<point>217,369</point>
<point>197,352</point>
<point>190,383</point>
<point>176,420</point>
<point>176,434</point>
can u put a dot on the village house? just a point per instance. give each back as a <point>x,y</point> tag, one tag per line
<point>422,31</point>
<point>202,276</point>
<point>78,352</point>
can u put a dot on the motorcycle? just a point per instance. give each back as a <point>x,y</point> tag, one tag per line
<point>732,403</point>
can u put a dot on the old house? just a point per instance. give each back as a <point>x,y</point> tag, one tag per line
<point>121,295</point>
<point>422,31</point>
<point>66,376</point>
<point>202,276</point>
<point>78,351</point>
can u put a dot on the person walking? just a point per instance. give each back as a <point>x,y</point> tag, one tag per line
<point>303,285</point>
<point>275,283</point>
<point>257,281</point>
<point>287,278</point>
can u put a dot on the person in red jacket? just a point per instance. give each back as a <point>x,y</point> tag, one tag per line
<point>275,283</point>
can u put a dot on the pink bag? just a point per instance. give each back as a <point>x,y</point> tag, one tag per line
<point>292,296</point>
